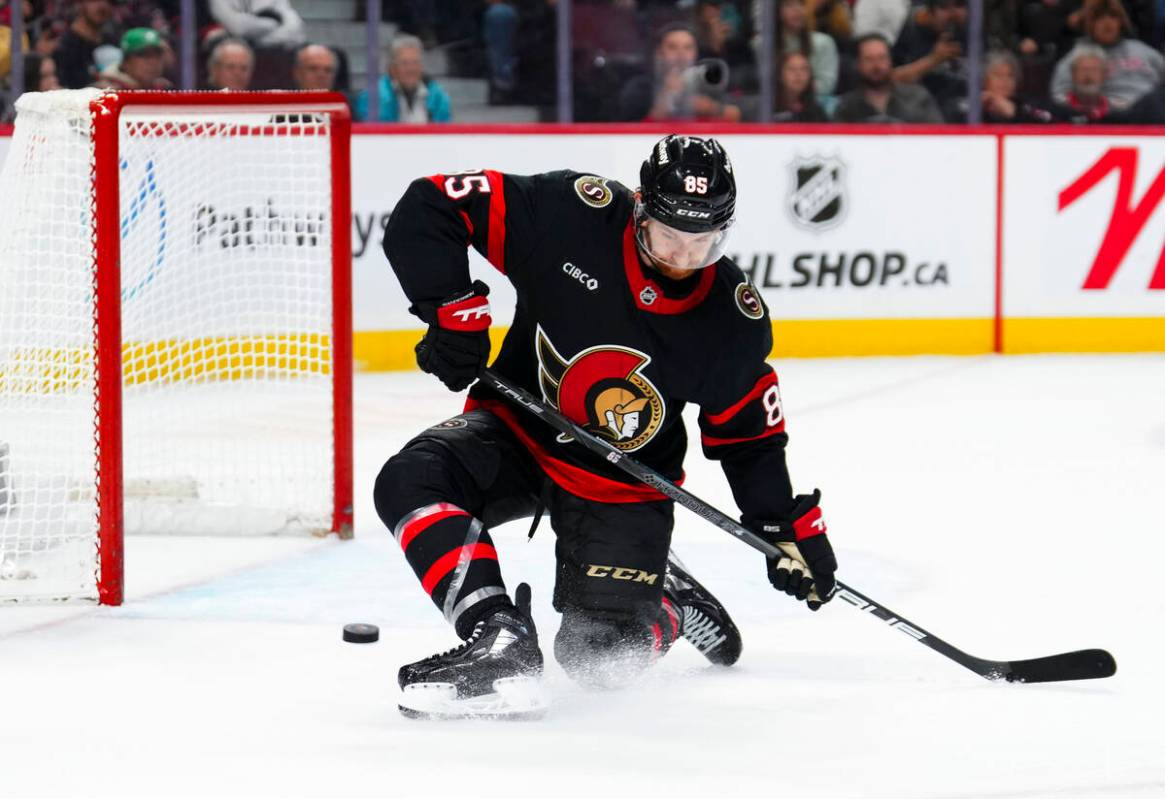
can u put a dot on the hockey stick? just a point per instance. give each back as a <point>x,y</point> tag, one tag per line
<point>1085,664</point>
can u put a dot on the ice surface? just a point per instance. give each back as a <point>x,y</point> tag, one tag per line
<point>1011,505</point>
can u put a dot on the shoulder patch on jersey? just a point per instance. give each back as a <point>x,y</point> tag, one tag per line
<point>593,191</point>
<point>748,301</point>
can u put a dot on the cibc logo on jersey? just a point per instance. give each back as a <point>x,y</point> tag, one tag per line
<point>604,390</point>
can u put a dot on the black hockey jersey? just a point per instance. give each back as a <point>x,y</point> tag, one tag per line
<point>610,342</point>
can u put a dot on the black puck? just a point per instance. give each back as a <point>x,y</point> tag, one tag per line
<point>361,633</point>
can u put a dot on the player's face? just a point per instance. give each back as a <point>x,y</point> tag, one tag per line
<point>677,250</point>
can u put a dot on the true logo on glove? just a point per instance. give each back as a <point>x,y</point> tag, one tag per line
<point>467,315</point>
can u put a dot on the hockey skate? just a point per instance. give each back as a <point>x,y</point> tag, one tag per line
<point>704,621</point>
<point>495,673</point>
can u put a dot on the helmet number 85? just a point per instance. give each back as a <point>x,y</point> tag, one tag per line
<point>695,185</point>
<point>771,399</point>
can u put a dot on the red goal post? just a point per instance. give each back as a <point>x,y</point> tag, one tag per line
<point>212,245</point>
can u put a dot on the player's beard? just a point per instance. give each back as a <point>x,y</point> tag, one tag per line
<point>664,266</point>
<point>693,260</point>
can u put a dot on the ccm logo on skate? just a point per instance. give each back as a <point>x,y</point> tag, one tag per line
<point>570,270</point>
<point>622,573</point>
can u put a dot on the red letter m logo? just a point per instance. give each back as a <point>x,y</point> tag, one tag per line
<point>1127,219</point>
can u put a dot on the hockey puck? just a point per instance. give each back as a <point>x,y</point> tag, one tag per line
<point>361,633</point>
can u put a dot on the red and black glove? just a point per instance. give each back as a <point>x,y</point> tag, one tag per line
<point>806,570</point>
<point>456,346</point>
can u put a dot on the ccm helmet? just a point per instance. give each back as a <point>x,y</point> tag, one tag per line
<point>687,185</point>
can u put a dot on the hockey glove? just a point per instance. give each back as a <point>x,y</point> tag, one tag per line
<point>806,570</point>
<point>456,346</point>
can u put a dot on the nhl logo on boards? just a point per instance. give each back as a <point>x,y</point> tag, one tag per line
<point>648,295</point>
<point>593,191</point>
<point>748,301</point>
<point>817,201</point>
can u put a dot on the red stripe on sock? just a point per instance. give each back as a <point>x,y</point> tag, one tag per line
<point>412,529</point>
<point>447,562</point>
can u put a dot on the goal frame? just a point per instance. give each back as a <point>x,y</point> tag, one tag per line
<point>106,114</point>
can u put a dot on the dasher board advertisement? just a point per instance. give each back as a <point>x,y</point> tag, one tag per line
<point>834,230</point>
<point>1083,242</point>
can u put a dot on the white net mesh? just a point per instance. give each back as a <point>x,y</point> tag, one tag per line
<point>48,511</point>
<point>226,264</point>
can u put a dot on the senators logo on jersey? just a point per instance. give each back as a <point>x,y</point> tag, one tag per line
<point>593,191</point>
<point>604,390</point>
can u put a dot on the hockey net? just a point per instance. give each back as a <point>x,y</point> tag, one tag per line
<point>204,386</point>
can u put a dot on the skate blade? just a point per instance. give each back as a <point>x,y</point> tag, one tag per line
<point>513,699</point>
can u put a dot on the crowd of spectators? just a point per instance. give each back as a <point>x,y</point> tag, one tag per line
<point>1081,61</point>
<point>133,44</point>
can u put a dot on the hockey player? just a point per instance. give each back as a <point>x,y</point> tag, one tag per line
<point>627,310</point>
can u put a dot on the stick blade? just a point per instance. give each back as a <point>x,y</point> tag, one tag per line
<point>1084,664</point>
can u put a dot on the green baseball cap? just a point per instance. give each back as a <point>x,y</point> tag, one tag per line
<point>137,39</point>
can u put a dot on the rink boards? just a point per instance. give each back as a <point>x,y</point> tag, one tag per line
<point>861,243</point>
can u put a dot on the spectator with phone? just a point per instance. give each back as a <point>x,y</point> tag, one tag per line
<point>680,87</point>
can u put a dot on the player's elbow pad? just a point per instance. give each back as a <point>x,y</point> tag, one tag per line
<point>405,220</point>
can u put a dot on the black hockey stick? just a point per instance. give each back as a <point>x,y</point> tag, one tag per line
<point>1085,664</point>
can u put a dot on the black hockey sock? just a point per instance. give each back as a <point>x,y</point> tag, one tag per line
<point>453,556</point>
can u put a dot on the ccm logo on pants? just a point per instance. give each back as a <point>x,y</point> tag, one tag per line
<point>622,573</point>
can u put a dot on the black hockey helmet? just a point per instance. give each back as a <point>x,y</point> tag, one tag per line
<point>686,204</point>
<point>687,184</point>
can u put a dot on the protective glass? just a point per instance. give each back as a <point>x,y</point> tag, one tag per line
<point>678,249</point>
